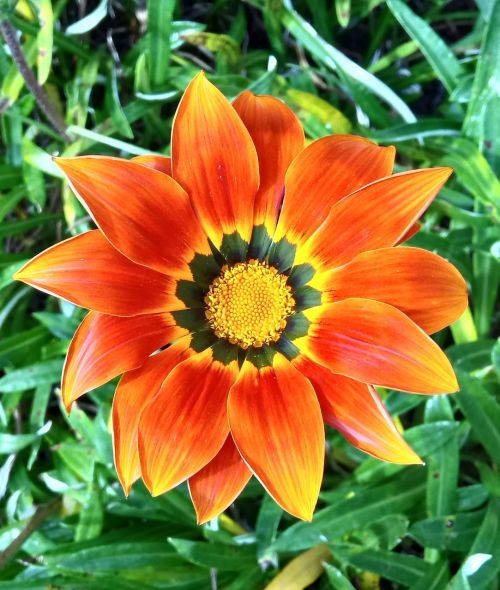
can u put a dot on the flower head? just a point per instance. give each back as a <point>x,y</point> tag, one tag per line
<point>249,290</point>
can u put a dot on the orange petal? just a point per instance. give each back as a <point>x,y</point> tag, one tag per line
<point>144,213</point>
<point>427,288</point>
<point>161,163</point>
<point>89,272</point>
<point>278,138</point>
<point>355,410</point>
<point>413,231</point>
<point>135,390</point>
<point>376,216</point>
<point>214,159</point>
<point>105,346</point>
<point>186,425</point>
<point>276,424</point>
<point>376,343</point>
<point>219,483</point>
<point>325,172</point>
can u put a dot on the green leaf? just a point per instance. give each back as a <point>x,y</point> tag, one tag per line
<point>266,528</point>
<point>333,58</point>
<point>487,77</point>
<point>483,413</point>
<point>337,579</point>
<point>15,348</point>
<point>354,511</point>
<point>448,533</point>
<point>397,567</point>
<point>90,21</point>
<point>44,39</point>
<point>472,170</point>
<point>437,53</point>
<point>211,555</point>
<point>12,443</point>
<point>160,14</point>
<point>91,517</point>
<point>481,570</point>
<point>47,372</point>
<point>436,577</point>
<point>424,439</point>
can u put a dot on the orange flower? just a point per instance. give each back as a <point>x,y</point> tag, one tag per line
<point>279,312</point>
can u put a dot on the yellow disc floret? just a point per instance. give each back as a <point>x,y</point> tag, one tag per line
<point>249,303</point>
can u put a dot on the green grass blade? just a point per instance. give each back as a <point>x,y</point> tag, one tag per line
<point>438,54</point>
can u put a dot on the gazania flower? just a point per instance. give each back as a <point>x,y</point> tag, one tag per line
<point>249,290</point>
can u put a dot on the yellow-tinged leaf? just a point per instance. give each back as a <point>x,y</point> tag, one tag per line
<point>324,111</point>
<point>302,571</point>
<point>44,39</point>
<point>369,581</point>
<point>215,43</point>
<point>23,8</point>
<point>13,82</point>
<point>230,525</point>
<point>464,330</point>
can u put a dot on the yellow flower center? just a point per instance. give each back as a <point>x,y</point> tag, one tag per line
<point>249,304</point>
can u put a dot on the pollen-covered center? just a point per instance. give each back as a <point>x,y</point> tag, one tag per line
<point>249,304</point>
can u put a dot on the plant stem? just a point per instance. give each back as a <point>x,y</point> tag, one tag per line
<point>41,513</point>
<point>9,34</point>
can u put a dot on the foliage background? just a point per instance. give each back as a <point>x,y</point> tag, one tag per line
<point>424,76</point>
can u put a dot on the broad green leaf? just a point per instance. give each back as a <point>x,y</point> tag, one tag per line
<point>356,510</point>
<point>424,439</point>
<point>16,347</point>
<point>397,567</point>
<point>436,577</point>
<point>211,555</point>
<point>47,372</point>
<point>448,533</point>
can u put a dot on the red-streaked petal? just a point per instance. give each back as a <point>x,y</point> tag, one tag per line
<point>426,287</point>
<point>135,390</point>
<point>89,272</point>
<point>355,410</point>
<point>144,213</point>
<point>219,483</point>
<point>325,172</point>
<point>214,159</point>
<point>161,163</point>
<point>413,231</point>
<point>185,426</point>
<point>376,343</point>
<point>278,138</point>
<point>276,423</point>
<point>105,346</point>
<point>376,216</point>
